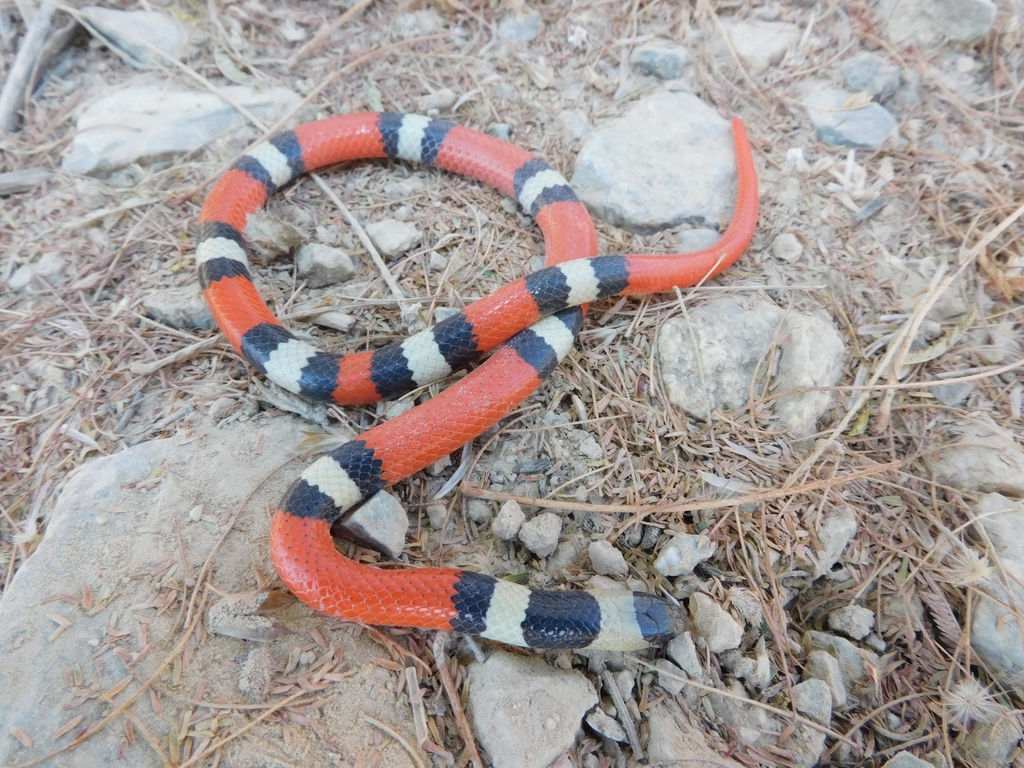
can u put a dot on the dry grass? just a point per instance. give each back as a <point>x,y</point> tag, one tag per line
<point>71,394</point>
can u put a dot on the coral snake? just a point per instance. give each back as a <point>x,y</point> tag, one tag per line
<point>530,324</point>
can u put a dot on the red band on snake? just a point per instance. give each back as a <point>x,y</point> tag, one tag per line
<point>534,320</point>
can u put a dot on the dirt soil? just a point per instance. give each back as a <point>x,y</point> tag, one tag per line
<point>66,353</point>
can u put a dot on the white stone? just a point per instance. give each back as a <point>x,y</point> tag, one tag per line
<point>814,699</point>
<point>787,247</point>
<point>322,265</point>
<point>540,535</point>
<point>984,457</point>
<point>47,269</point>
<point>606,560</point>
<point>683,553</point>
<point>392,237</point>
<point>854,621</point>
<point>509,520</point>
<point>759,44</point>
<point>719,630</point>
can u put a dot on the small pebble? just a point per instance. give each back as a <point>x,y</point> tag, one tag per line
<point>196,513</point>
<point>540,535</point>
<point>606,560</point>
<point>606,726</point>
<point>854,621</point>
<point>787,247</point>
<point>392,237</point>
<point>508,521</point>
<point>683,553</point>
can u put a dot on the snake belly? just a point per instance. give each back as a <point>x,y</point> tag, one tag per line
<point>529,324</point>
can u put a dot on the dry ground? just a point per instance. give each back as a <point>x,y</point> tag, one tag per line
<point>71,349</point>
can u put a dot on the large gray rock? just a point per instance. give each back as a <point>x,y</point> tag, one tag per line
<point>984,457</point>
<point>668,161</point>
<point>145,123</point>
<point>927,22</point>
<point>125,529</point>
<point>709,359</point>
<point>135,34</point>
<point>524,712</point>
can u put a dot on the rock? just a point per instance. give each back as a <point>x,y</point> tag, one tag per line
<point>869,126</point>
<point>271,236</point>
<point>502,131</point>
<point>24,180</point>
<point>708,359</point>
<point>871,73</point>
<point>993,744</point>
<point>240,618</point>
<point>675,742</point>
<point>392,237</point>
<point>146,123</point>
<point>521,26</point>
<point>540,535</point>
<point>985,458</point>
<point>379,523</point>
<point>438,100</point>
<point>835,532</point>
<point>667,162</point>
<point>719,630</point>
<point>437,262</point>
<point>254,676</point>
<point>812,356</point>
<point>130,31</point>
<point>509,520</point>
<point>787,247</point>
<point>953,395</point>
<point>759,44</point>
<point>683,553</point>
<point>121,526</point>
<point>906,760</point>
<point>853,661</point>
<point>179,307</point>
<point>757,728</point>
<point>524,712</point>
<point>670,677</point>
<point>996,633</point>
<point>695,239</point>
<point>418,23</point>
<point>339,321</point>
<point>813,698</point>
<point>854,621</point>
<point>927,22</point>
<point>1002,520</point>
<point>606,726</point>
<point>479,511</point>
<point>575,123</point>
<point>683,652</point>
<point>47,270</point>
<point>322,265</point>
<point>606,560</point>
<point>662,59</point>
<point>822,665</point>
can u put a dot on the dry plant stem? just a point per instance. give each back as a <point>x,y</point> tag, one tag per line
<point>186,353</point>
<point>441,661</point>
<point>624,717</point>
<point>899,346</point>
<point>12,97</point>
<point>394,735</point>
<point>325,33</point>
<point>642,512</point>
<point>367,243</point>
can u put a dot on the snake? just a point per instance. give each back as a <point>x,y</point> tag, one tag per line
<point>526,327</point>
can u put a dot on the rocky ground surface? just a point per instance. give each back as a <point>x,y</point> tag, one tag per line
<point>818,453</point>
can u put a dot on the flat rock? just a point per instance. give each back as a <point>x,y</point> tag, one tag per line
<point>854,621</point>
<point>524,712</point>
<point>379,523</point>
<point>869,126</point>
<point>683,652</point>
<point>984,457</point>
<point>928,22</point>
<point>814,699</point>
<point>675,742</point>
<point>759,44</point>
<point>708,359</point>
<point>38,275</point>
<point>508,521</point>
<point>145,123</point>
<point>667,162</point>
<point>855,663</point>
<point>121,527</point>
<point>393,237</point>
<point>134,34</point>
<point>179,307</point>
<point>997,634</point>
<point>823,666</point>
<point>871,73</point>
<point>835,532</point>
<point>907,760</point>
<point>662,59</point>
<point>713,623</point>
<point>606,726</point>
